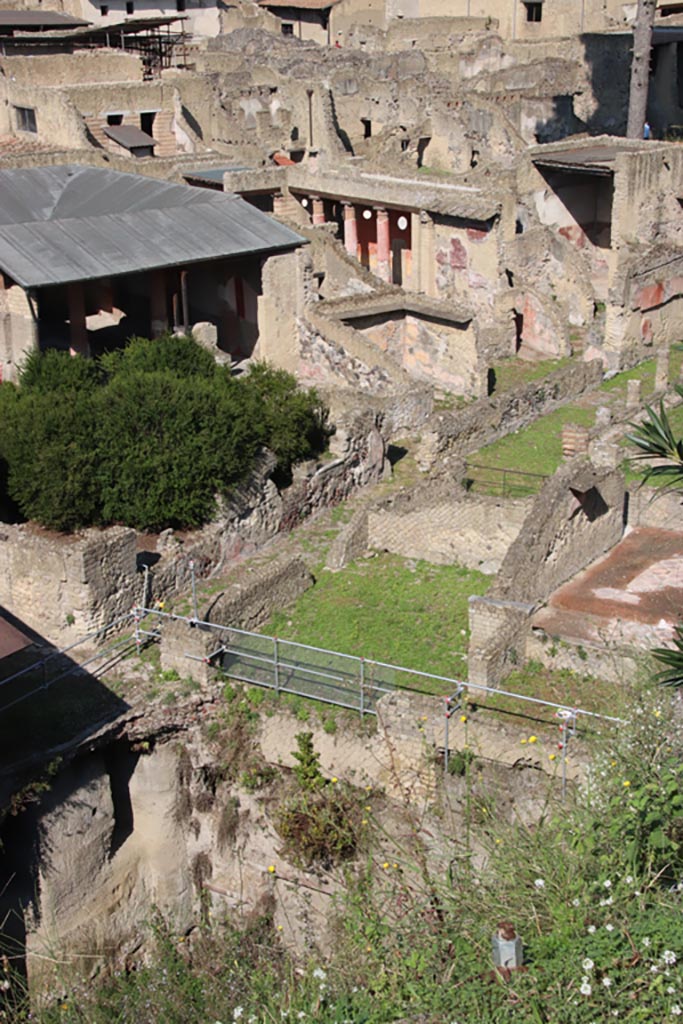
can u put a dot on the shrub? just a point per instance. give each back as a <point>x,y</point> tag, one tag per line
<point>320,826</point>
<point>307,767</point>
<point>149,436</point>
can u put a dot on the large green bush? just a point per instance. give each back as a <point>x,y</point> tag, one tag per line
<point>147,436</point>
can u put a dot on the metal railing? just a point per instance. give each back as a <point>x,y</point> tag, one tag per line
<point>345,680</point>
<point>503,482</point>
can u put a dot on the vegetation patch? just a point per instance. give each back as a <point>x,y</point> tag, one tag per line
<point>147,436</point>
<point>390,609</point>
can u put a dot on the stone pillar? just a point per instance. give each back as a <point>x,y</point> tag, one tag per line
<point>574,440</point>
<point>603,417</point>
<point>350,230</point>
<point>416,245</point>
<point>158,308</point>
<point>662,370</point>
<point>383,245</point>
<point>78,332</point>
<point>427,259</point>
<point>318,211</point>
<point>633,394</point>
<point>279,205</point>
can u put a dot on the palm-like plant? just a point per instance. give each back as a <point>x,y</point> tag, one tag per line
<point>654,439</point>
<point>672,657</point>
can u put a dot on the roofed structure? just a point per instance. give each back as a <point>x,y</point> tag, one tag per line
<point>71,223</point>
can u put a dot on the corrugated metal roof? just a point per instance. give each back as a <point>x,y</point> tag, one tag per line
<point>72,223</point>
<point>300,5</point>
<point>39,19</point>
<point>129,136</point>
<point>212,173</point>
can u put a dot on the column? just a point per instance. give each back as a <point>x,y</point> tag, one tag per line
<point>427,259</point>
<point>350,230</point>
<point>383,245</point>
<point>158,307</point>
<point>78,332</point>
<point>318,211</point>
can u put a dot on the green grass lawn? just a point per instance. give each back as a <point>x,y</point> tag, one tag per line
<point>513,373</point>
<point>538,447</point>
<point>388,609</point>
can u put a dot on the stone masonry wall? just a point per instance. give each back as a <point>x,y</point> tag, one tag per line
<point>450,527</point>
<point>459,433</point>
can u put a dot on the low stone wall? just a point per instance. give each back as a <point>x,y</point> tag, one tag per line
<point>649,507</point>
<point>447,526</point>
<point>611,664</point>
<point>459,433</point>
<point>576,518</point>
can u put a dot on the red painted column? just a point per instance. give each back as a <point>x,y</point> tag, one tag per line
<point>158,306</point>
<point>383,246</point>
<point>350,230</point>
<point>318,211</point>
<point>78,332</point>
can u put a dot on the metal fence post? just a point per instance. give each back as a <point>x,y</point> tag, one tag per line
<point>194,591</point>
<point>445,741</point>
<point>276,666</point>
<point>362,686</point>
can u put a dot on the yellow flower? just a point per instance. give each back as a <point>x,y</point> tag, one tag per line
<point>385,865</point>
<point>271,869</point>
<point>364,821</point>
<point>463,718</point>
<point>368,807</point>
<point>498,842</point>
<point>551,757</point>
<point>334,779</point>
<point>368,949</point>
<point>522,741</point>
<point>626,782</point>
<point>395,865</point>
<point>533,739</point>
<point>279,927</point>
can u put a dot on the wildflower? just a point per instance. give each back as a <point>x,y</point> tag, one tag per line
<point>385,865</point>
<point>669,957</point>
<point>367,807</point>
<point>591,929</point>
<point>522,741</point>
<point>609,927</point>
<point>364,821</point>
<point>670,990</point>
<point>607,902</point>
<point>588,964</point>
<point>576,902</point>
<point>654,969</point>
<point>237,1012</point>
<point>533,739</point>
<point>271,869</point>
<point>626,783</point>
<point>676,1010</point>
<point>334,779</point>
<point>607,982</point>
<point>629,880</point>
<point>586,987</point>
<point>279,927</point>
<point>539,883</point>
<point>301,1014</point>
<point>319,973</point>
<point>394,865</point>
<point>5,984</point>
<point>551,757</point>
<point>463,718</point>
<point>607,884</point>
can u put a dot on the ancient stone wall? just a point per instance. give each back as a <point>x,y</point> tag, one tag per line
<point>577,516</point>
<point>58,69</point>
<point>458,433</point>
<point>445,525</point>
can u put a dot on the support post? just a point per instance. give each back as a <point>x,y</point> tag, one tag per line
<point>362,686</point>
<point>194,591</point>
<point>318,211</point>
<point>77,330</point>
<point>157,302</point>
<point>350,230</point>
<point>383,245</point>
<point>276,665</point>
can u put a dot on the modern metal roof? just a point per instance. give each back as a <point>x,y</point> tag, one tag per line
<point>301,5</point>
<point>128,136</point>
<point>37,20</point>
<point>73,223</point>
<point>212,173</point>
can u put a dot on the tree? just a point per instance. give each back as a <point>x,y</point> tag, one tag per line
<point>640,68</point>
<point>655,439</point>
